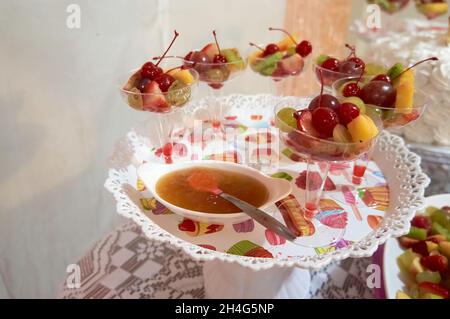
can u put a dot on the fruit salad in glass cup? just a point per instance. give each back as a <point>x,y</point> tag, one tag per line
<point>392,96</point>
<point>323,133</point>
<point>282,60</point>
<point>216,66</point>
<point>390,6</point>
<point>332,69</point>
<point>160,88</point>
<point>432,8</point>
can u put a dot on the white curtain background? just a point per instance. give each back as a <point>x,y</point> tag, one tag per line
<point>60,114</point>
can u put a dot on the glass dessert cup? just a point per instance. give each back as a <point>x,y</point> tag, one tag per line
<point>388,19</point>
<point>432,9</point>
<point>391,118</point>
<point>215,76</point>
<point>329,77</point>
<point>318,154</point>
<point>281,70</point>
<point>161,105</point>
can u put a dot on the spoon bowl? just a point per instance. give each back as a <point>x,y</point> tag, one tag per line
<point>150,173</point>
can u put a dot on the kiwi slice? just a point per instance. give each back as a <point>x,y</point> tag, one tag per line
<point>395,70</point>
<point>321,58</point>
<point>178,93</point>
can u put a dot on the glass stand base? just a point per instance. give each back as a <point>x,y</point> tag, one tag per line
<point>231,280</point>
<point>323,236</point>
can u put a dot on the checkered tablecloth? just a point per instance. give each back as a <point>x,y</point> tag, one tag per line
<point>125,264</point>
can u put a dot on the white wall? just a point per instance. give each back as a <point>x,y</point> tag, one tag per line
<point>60,115</point>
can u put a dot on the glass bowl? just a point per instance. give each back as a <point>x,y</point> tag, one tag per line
<point>391,117</point>
<point>293,65</point>
<point>157,101</point>
<point>310,147</point>
<point>216,74</point>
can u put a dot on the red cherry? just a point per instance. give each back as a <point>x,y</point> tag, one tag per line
<point>218,58</point>
<point>167,149</point>
<point>324,120</point>
<point>359,62</point>
<point>304,48</point>
<point>383,78</point>
<point>421,221</point>
<point>271,49</point>
<point>325,100</point>
<point>150,71</point>
<point>164,81</point>
<point>436,289</point>
<point>420,248</point>
<point>142,83</point>
<point>351,89</point>
<point>331,64</point>
<point>347,112</point>
<point>435,263</point>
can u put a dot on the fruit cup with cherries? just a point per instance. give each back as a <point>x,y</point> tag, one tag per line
<point>321,132</point>
<point>332,69</point>
<point>160,88</point>
<point>432,8</point>
<point>390,95</point>
<point>281,60</point>
<point>154,89</point>
<point>216,65</point>
<point>390,6</point>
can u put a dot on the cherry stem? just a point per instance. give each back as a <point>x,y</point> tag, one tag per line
<point>167,56</point>
<point>321,87</point>
<point>416,64</point>
<point>177,67</point>
<point>256,46</point>
<point>285,32</point>
<point>171,43</point>
<point>361,75</point>
<point>215,39</point>
<point>352,48</point>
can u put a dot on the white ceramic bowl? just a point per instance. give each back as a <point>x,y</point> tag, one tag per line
<point>150,173</point>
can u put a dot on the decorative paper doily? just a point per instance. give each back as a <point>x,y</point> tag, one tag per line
<point>393,191</point>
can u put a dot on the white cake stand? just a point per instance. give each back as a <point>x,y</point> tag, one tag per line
<point>232,276</point>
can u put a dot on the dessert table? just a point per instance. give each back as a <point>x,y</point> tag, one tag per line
<point>152,257</point>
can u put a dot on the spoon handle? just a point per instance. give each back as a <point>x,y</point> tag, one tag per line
<point>261,217</point>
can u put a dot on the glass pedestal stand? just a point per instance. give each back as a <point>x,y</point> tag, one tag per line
<point>231,280</point>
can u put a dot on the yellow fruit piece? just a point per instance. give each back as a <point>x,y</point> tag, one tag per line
<point>416,267</point>
<point>253,57</point>
<point>433,9</point>
<point>182,75</point>
<point>431,246</point>
<point>401,295</point>
<point>286,43</point>
<point>404,85</point>
<point>444,248</point>
<point>362,129</point>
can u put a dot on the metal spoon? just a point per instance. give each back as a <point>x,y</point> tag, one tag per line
<point>202,181</point>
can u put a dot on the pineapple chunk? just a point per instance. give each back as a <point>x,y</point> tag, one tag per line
<point>253,57</point>
<point>401,295</point>
<point>182,75</point>
<point>404,85</point>
<point>286,43</point>
<point>362,128</point>
<point>432,10</point>
<point>431,246</point>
